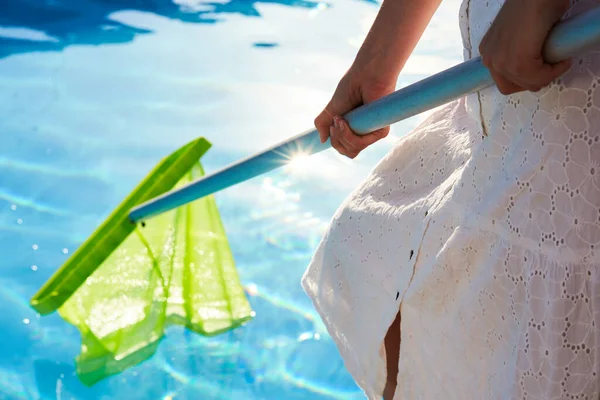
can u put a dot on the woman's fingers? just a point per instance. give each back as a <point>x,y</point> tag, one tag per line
<point>512,47</point>
<point>322,123</point>
<point>336,143</point>
<point>351,92</point>
<point>557,70</point>
<point>340,140</point>
<point>345,134</point>
<point>504,85</point>
<point>350,143</point>
<point>537,75</point>
<point>541,74</point>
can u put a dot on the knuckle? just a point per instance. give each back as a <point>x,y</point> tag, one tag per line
<point>320,119</point>
<point>383,133</point>
<point>321,126</point>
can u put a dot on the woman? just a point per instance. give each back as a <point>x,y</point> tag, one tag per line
<point>466,265</point>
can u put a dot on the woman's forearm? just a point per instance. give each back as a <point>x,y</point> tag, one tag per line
<point>394,35</point>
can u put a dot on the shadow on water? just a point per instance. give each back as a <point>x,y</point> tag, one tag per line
<point>52,25</point>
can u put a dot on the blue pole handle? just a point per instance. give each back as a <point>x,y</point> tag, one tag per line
<point>568,39</point>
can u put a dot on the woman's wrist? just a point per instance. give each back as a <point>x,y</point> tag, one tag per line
<point>376,69</point>
<point>378,63</point>
<point>392,38</point>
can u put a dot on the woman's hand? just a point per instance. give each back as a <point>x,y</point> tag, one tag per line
<point>512,47</point>
<point>352,92</point>
<point>392,38</point>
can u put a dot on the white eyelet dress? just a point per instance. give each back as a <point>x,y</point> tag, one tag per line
<point>482,227</point>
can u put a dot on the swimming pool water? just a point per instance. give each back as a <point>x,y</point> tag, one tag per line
<point>93,93</point>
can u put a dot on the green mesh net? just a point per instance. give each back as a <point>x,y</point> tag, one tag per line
<point>176,268</point>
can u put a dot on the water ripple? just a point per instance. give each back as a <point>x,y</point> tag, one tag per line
<point>15,199</point>
<point>46,169</point>
<point>305,312</point>
<point>11,385</point>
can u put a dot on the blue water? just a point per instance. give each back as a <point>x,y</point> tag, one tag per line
<point>94,92</point>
